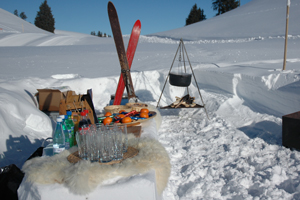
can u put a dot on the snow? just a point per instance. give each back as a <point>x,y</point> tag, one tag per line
<point>237,59</point>
<point>255,19</point>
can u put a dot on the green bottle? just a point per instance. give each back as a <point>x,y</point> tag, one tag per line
<point>70,126</point>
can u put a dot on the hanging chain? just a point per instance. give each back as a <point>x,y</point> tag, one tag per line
<point>179,59</point>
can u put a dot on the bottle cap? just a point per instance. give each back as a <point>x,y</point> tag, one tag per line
<point>59,119</point>
<point>69,113</point>
<point>82,113</point>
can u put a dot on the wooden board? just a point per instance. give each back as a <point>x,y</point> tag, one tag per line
<point>131,152</point>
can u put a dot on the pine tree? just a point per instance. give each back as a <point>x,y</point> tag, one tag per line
<point>44,18</point>
<point>16,13</point>
<point>93,33</point>
<point>23,16</point>
<point>223,6</point>
<point>196,15</point>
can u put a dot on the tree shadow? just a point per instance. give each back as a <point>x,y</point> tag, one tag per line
<point>291,88</point>
<point>19,150</point>
<point>269,131</point>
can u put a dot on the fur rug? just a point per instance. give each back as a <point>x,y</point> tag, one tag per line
<point>83,177</point>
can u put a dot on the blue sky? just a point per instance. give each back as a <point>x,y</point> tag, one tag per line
<point>86,16</point>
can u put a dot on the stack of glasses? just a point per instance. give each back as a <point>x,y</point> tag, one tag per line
<point>99,143</point>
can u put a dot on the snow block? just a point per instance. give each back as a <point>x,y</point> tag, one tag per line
<point>291,130</point>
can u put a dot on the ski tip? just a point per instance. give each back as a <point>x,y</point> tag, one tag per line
<point>138,23</point>
<point>110,5</point>
<point>137,27</point>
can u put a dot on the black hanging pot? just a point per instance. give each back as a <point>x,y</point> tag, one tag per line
<point>180,80</point>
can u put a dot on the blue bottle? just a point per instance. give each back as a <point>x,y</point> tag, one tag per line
<point>66,131</point>
<point>58,138</point>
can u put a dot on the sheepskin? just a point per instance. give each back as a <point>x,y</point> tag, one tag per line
<point>83,177</point>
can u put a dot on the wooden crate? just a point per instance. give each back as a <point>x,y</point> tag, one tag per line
<point>291,130</point>
<point>76,104</point>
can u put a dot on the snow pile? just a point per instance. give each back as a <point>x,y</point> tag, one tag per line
<point>235,154</point>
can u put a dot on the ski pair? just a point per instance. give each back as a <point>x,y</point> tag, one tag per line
<point>125,58</point>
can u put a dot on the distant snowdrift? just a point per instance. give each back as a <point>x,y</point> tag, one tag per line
<point>15,31</point>
<point>13,24</point>
<point>256,18</point>
<point>42,39</point>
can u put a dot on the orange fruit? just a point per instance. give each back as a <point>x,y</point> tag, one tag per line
<point>144,110</point>
<point>107,120</point>
<point>121,115</point>
<point>107,114</point>
<point>122,111</point>
<point>144,115</point>
<point>126,120</point>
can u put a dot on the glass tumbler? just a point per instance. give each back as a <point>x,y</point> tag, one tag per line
<point>81,139</point>
<point>107,145</point>
<point>118,143</point>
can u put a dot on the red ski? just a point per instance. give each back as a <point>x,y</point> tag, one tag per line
<point>132,44</point>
